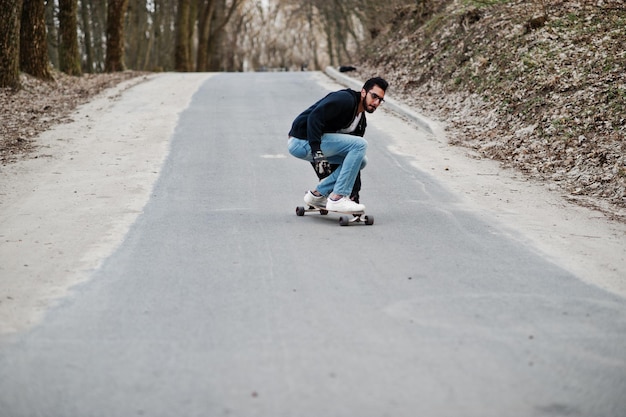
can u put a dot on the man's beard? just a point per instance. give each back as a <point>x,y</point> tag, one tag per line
<point>366,107</point>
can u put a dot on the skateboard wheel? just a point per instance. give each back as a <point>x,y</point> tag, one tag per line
<point>323,212</point>
<point>369,220</point>
<point>344,221</point>
<point>299,211</point>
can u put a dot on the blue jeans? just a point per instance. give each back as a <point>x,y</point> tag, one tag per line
<point>347,151</point>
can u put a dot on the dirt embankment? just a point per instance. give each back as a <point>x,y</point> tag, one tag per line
<point>539,86</point>
<point>39,105</point>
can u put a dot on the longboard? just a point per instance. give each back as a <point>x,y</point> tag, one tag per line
<point>357,217</point>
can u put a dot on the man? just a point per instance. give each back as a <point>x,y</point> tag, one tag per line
<point>330,134</point>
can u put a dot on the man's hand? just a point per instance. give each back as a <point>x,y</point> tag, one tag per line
<point>321,165</point>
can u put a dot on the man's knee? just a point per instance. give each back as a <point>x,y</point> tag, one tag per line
<point>361,144</point>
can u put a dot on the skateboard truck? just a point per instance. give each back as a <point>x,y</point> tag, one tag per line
<point>358,217</point>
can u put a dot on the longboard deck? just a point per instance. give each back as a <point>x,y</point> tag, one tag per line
<point>357,217</point>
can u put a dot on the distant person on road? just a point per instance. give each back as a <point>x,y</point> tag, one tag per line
<point>329,134</point>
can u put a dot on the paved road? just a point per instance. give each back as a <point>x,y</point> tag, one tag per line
<point>222,302</point>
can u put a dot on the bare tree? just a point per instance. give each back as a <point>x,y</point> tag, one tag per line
<point>150,34</point>
<point>307,33</point>
<point>52,34</point>
<point>207,35</point>
<point>10,12</point>
<point>139,33</point>
<point>205,18</point>
<point>182,51</point>
<point>115,35</point>
<point>98,11</point>
<point>33,46</point>
<point>69,58</point>
<point>218,42</point>
<point>164,19</point>
<point>86,28</point>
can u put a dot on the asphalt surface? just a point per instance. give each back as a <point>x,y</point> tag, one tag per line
<point>222,302</point>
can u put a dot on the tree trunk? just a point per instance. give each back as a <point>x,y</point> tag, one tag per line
<point>182,58</point>
<point>204,31</point>
<point>215,48</point>
<point>68,46</point>
<point>312,38</point>
<point>53,35</point>
<point>85,15</point>
<point>165,36</point>
<point>10,12</point>
<point>137,33</point>
<point>151,35</point>
<point>232,61</point>
<point>159,40</point>
<point>98,21</point>
<point>115,35</point>
<point>222,15</point>
<point>33,46</point>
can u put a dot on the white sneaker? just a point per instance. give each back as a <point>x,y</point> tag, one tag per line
<point>314,201</point>
<point>344,204</point>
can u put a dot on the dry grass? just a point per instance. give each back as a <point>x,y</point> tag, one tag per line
<point>540,87</point>
<point>39,105</point>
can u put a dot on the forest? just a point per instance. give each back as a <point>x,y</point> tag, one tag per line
<point>539,85</point>
<point>92,36</point>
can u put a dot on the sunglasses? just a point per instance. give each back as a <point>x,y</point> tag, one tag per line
<point>376,97</point>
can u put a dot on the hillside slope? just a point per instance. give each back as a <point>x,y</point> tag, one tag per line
<point>543,90</point>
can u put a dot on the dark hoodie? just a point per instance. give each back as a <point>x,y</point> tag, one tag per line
<point>334,112</point>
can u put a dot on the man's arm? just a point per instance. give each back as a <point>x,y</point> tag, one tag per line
<point>328,115</point>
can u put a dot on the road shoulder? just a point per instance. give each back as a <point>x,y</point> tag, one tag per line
<point>583,241</point>
<point>68,208</point>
